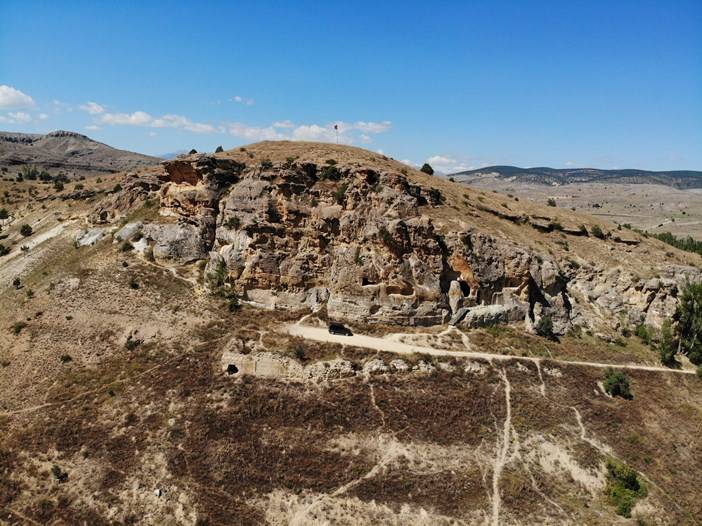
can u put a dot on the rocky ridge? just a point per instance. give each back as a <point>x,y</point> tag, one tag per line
<point>68,153</point>
<point>375,241</point>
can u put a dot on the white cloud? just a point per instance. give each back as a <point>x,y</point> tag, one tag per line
<point>141,118</point>
<point>21,117</point>
<point>43,116</point>
<point>93,108</point>
<point>92,127</point>
<point>152,134</point>
<point>180,122</point>
<point>283,124</point>
<point>138,118</point>
<point>371,127</point>
<point>253,133</point>
<point>345,133</point>
<point>447,165</point>
<point>11,98</point>
<point>59,107</point>
<point>409,163</point>
<point>243,100</point>
<point>16,117</point>
<point>315,132</point>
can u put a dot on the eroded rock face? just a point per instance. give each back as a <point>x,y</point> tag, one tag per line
<point>136,190</point>
<point>359,242</point>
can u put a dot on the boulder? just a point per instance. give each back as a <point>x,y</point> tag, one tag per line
<point>128,231</point>
<point>176,243</point>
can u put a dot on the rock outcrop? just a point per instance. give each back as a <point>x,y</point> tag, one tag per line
<point>362,242</point>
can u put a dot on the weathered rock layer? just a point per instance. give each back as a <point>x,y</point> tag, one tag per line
<point>361,241</point>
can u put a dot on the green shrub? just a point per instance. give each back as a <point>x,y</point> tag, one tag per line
<point>689,316</point>
<point>59,474</point>
<point>4,214</point>
<point>4,250</point>
<point>29,172</point>
<point>699,372</point>
<point>17,327</point>
<point>289,162</point>
<point>65,358</point>
<point>435,196</point>
<point>232,302</point>
<point>667,347</point>
<point>217,278</point>
<point>232,223</point>
<point>219,149</point>
<point>126,246</point>
<point>132,343</point>
<point>644,333</point>
<point>26,230</point>
<point>597,232</point>
<point>389,241</point>
<point>544,327</point>
<point>340,192</point>
<point>266,164</point>
<point>427,169</point>
<point>58,186</point>
<point>330,171</point>
<point>117,188</point>
<point>551,201</point>
<point>624,487</point>
<point>300,353</point>
<point>616,383</point>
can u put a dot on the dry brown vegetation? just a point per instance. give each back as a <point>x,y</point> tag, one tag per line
<point>154,433</point>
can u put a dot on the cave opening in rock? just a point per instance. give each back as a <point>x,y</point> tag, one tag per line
<point>232,369</point>
<point>465,288</point>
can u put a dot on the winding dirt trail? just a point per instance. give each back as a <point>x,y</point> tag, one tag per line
<point>502,451</point>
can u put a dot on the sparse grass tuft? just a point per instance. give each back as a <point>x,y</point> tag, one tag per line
<point>17,327</point>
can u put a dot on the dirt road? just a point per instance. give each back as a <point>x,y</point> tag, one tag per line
<point>390,345</point>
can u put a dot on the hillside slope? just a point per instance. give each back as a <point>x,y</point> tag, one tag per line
<point>68,153</point>
<point>550,176</point>
<point>164,353</point>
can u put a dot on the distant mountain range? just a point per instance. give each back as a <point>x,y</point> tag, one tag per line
<point>681,179</point>
<point>66,152</point>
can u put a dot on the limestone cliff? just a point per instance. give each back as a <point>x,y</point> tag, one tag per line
<point>303,224</point>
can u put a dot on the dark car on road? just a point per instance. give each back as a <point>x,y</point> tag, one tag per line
<point>339,328</point>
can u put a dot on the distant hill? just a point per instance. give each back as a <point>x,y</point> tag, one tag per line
<point>66,152</point>
<point>681,179</point>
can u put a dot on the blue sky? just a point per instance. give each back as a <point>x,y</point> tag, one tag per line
<point>564,83</point>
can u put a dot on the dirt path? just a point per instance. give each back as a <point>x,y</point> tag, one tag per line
<point>388,344</point>
<point>17,261</point>
<point>502,451</point>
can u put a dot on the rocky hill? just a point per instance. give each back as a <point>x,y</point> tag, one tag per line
<point>67,153</point>
<point>298,224</point>
<point>680,179</point>
<point>165,355</point>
